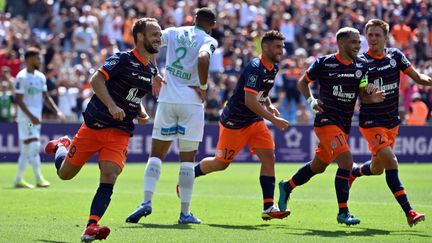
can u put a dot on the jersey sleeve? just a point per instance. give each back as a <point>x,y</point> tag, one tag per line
<point>45,87</point>
<point>209,46</point>
<point>402,61</point>
<point>253,80</point>
<point>113,65</point>
<point>165,36</point>
<point>19,85</point>
<point>313,71</point>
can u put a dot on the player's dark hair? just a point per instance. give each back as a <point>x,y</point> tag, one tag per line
<point>346,32</point>
<point>140,27</point>
<point>31,52</point>
<point>205,16</point>
<point>271,35</point>
<point>378,23</point>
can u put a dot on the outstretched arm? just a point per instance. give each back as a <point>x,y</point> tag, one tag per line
<point>419,78</point>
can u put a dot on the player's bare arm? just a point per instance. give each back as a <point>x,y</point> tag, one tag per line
<point>53,107</point>
<point>252,103</point>
<point>271,108</point>
<point>97,82</point>
<point>304,89</point>
<point>203,68</point>
<point>143,117</point>
<point>157,81</point>
<point>419,78</point>
<point>20,102</point>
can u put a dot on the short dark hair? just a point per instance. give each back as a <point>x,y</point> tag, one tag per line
<point>272,35</point>
<point>31,52</point>
<point>346,32</point>
<point>205,16</point>
<point>140,26</point>
<point>378,23</point>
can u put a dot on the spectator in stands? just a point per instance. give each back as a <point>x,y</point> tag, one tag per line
<point>418,111</point>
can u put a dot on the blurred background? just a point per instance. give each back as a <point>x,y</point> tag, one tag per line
<point>76,36</point>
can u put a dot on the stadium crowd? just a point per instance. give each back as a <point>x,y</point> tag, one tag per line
<point>76,36</point>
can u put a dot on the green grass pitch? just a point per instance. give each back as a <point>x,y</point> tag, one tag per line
<point>228,203</point>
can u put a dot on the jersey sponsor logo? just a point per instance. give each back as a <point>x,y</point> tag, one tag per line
<point>342,96</point>
<point>252,80</point>
<point>384,67</point>
<point>111,63</point>
<point>346,75</point>
<point>268,81</point>
<point>331,65</point>
<point>359,65</point>
<point>132,97</point>
<point>386,87</point>
<point>212,48</point>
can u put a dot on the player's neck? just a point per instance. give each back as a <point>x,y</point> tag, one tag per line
<point>267,61</point>
<point>30,69</point>
<point>145,55</point>
<point>376,53</point>
<point>344,58</point>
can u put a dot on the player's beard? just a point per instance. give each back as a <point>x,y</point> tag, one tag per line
<point>149,47</point>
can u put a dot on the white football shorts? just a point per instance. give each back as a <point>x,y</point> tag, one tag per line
<point>182,121</point>
<point>27,130</point>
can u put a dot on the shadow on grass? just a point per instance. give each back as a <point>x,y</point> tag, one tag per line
<point>357,231</point>
<point>52,241</point>
<point>335,233</point>
<point>237,227</point>
<point>157,226</point>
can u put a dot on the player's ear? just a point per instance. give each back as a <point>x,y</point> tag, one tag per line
<point>140,36</point>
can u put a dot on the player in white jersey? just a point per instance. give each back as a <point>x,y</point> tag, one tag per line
<point>30,92</point>
<point>180,111</point>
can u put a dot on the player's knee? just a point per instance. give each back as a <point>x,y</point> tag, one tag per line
<point>64,176</point>
<point>34,147</point>
<point>188,146</point>
<point>377,171</point>
<point>109,177</point>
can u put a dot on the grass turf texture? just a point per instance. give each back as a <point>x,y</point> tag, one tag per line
<point>229,204</point>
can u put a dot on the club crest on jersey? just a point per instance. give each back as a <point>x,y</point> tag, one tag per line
<point>393,62</point>
<point>252,80</point>
<point>111,63</point>
<point>358,73</point>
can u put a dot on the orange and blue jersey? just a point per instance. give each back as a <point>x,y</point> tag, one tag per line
<point>339,82</point>
<point>128,79</point>
<point>257,77</point>
<point>384,72</point>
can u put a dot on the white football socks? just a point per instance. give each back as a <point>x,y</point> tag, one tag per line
<point>186,182</point>
<point>151,177</point>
